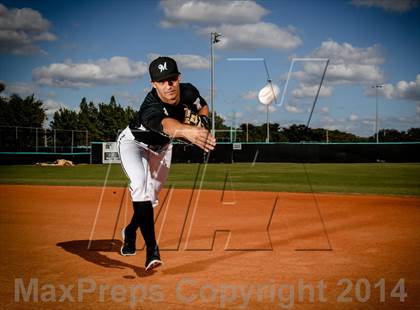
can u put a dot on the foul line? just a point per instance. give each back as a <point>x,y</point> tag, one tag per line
<point>319,214</point>
<point>98,208</point>
<point>206,161</point>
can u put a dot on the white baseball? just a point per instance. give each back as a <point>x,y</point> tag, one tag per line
<point>268,93</point>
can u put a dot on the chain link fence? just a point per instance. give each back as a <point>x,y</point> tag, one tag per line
<point>43,140</point>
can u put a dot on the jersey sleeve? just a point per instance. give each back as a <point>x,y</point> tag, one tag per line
<point>151,115</point>
<point>202,101</point>
<point>194,97</point>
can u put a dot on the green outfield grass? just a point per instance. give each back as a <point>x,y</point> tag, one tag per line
<point>383,178</point>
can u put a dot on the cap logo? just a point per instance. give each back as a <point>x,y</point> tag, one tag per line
<point>162,67</point>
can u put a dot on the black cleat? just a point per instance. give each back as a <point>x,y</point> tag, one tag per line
<point>152,258</point>
<point>129,244</point>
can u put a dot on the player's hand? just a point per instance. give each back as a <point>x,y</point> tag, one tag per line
<point>200,137</point>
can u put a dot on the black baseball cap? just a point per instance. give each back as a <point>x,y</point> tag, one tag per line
<point>163,68</point>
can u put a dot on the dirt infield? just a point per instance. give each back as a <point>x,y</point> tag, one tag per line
<point>231,250</point>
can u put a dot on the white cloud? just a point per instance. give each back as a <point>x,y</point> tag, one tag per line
<point>232,118</point>
<point>104,71</point>
<point>388,91</point>
<point>252,36</point>
<point>325,109</point>
<point>365,126</point>
<point>304,90</point>
<point>344,73</point>
<point>388,5</point>
<point>355,73</point>
<point>130,98</point>
<point>346,53</point>
<point>399,123</point>
<point>238,22</point>
<point>352,124</point>
<point>205,11</point>
<point>326,119</point>
<point>250,95</point>
<point>21,89</point>
<point>292,109</point>
<point>51,106</point>
<point>348,64</point>
<point>20,29</point>
<point>401,90</point>
<point>234,115</point>
<point>263,108</point>
<point>368,121</point>
<point>409,90</point>
<point>353,117</point>
<point>186,61</point>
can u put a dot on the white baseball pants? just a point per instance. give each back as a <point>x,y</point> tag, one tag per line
<point>147,170</point>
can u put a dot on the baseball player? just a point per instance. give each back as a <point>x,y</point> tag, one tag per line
<point>171,110</point>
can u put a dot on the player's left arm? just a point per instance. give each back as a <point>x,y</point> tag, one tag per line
<point>203,114</point>
<point>203,111</point>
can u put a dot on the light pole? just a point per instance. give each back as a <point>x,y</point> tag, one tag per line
<point>214,38</point>
<point>266,96</point>
<point>376,117</point>
<point>267,139</point>
<point>270,82</point>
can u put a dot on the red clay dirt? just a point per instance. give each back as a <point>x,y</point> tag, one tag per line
<point>270,251</point>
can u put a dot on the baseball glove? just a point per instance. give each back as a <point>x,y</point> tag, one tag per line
<point>193,119</point>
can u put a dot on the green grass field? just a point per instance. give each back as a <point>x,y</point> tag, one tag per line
<point>383,178</point>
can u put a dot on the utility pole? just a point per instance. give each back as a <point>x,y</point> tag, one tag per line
<point>214,38</point>
<point>376,117</point>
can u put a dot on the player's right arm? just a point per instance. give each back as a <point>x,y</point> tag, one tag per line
<point>196,135</point>
<point>152,115</point>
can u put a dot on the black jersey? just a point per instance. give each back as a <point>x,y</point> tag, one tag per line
<point>147,125</point>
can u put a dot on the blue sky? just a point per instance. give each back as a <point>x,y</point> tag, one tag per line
<point>65,50</point>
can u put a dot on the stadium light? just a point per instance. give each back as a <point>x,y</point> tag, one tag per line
<point>376,118</point>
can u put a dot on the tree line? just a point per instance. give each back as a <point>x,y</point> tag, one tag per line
<point>300,133</point>
<point>103,121</point>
